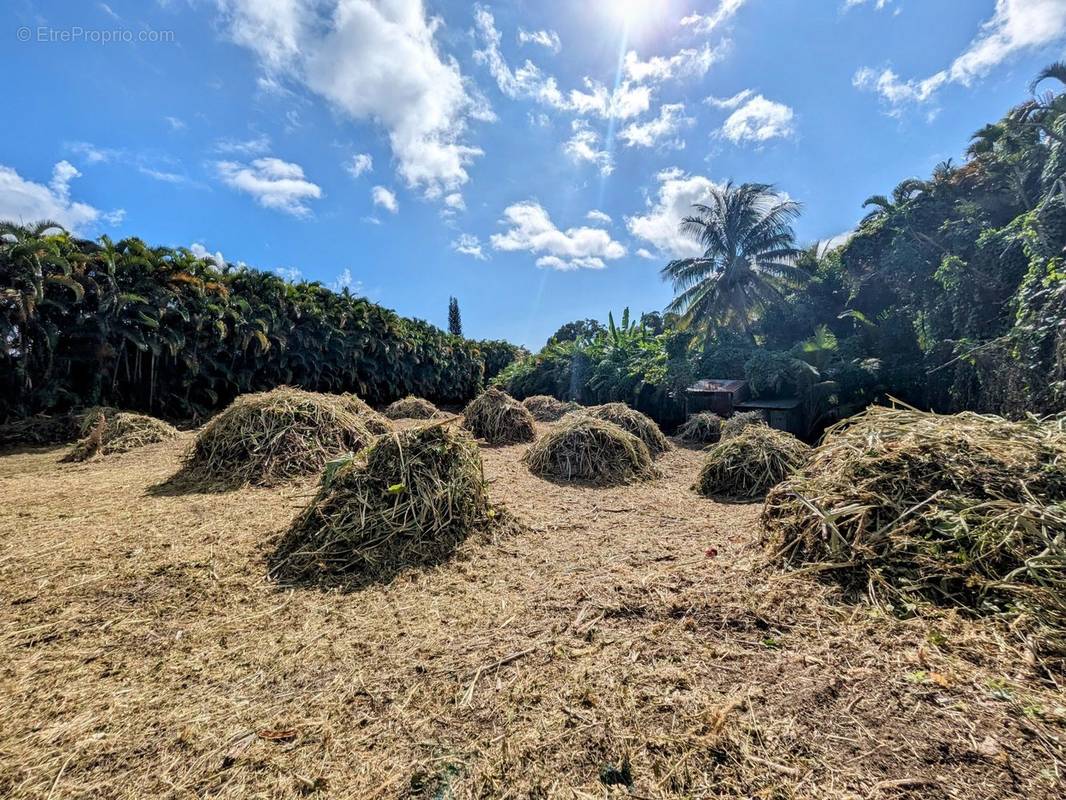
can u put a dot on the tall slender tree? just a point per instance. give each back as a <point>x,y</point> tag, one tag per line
<point>455,322</point>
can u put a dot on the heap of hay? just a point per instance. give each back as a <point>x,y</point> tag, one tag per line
<point>747,465</point>
<point>412,408</point>
<point>633,422</point>
<point>47,428</point>
<point>964,510</point>
<point>498,418</point>
<point>106,431</point>
<point>701,428</point>
<point>587,449</point>
<point>741,421</point>
<point>546,408</point>
<point>269,438</point>
<point>408,499</point>
<point>376,423</point>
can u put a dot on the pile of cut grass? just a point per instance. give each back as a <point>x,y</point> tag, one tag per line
<point>377,424</point>
<point>42,429</point>
<point>741,421</point>
<point>413,408</point>
<point>270,438</point>
<point>106,431</point>
<point>499,419</point>
<point>702,428</point>
<point>748,464</point>
<point>631,421</point>
<point>546,408</point>
<point>966,510</point>
<point>409,499</point>
<point>590,450</point>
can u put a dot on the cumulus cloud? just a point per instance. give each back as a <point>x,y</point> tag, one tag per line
<point>201,252</point>
<point>548,39</point>
<point>658,226</point>
<point>275,184</point>
<point>759,120</point>
<point>730,102</point>
<point>469,245</point>
<point>599,216</point>
<point>346,281</point>
<point>27,202</point>
<point>455,202</point>
<point>659,132</point>
<point>373,60</point>
<point>1016,26</point>
<point>385,199</point>
<point>687,63</point>
<point>584,145</point>
<point>360,164</point>
<point>705,23</point>
<point>530,228</point>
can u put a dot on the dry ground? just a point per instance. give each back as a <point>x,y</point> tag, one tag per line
<point>630,642</point>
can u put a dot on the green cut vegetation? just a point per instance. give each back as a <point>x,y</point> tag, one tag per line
<point>590,450</point>
<point>499,419</point>
<point>745,466</point>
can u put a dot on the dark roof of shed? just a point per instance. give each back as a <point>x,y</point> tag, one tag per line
<point>783,404</point>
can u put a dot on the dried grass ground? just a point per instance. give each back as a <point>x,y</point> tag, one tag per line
<point>630,643</point>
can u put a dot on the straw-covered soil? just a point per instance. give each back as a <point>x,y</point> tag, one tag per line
<point>105,431</point>
<point>584,448</point>
<point>749,463</point>
<point>498,418</point>
<point>413,408</point>
<point>628,642</point>
<point>546,408</point>
<point>702,428</point>
<point>966,510</point>
<point>628,419</point>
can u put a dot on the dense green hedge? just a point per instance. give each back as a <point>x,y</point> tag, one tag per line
<point>159,330</point>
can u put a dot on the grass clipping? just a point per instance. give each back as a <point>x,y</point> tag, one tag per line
<point>376,423</point>
<point>270,438</point>
<point>106,431</point>
<point>41,429</point>
<point>587,449</point>
<point>632,421</point>
<point>965,510</point>
<point>546,408</point>
<point>409,499</point>
<point>747,465</point>
<point>701,428</point>
<point>413,408</point>
<point>499,419</point>
<point>741,421</point>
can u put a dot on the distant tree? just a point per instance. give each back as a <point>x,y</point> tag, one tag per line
<point>578,331</point>
<point>652,321</point>
<point>455,322</point>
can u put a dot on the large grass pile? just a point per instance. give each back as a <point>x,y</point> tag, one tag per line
<point>376,423</point>
<point>747,465</point>
<point>965,510</point>
<point>499,419</point>
<point>741,421</point>
<point>270,438</point>
<point>702,428</point>
<point>546,408</point>
<point>412,408</point>
<point>591,450</point>
<point>631,421</point>
<point>106,431</point>
<point>409,499</point>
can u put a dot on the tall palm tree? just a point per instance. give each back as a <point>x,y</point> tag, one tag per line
<point>748,260</point>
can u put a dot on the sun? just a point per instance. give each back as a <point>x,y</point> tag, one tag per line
<point>633,13</point>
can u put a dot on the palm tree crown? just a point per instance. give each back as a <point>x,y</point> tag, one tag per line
<point>748,260</point>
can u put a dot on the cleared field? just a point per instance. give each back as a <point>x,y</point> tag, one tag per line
<point>626,642</point>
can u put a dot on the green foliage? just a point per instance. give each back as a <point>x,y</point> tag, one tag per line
<point>455,321</point>
<point>581,330</point>
<point>498,355</point>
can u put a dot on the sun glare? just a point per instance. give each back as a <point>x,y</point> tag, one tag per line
<point>633,12</point>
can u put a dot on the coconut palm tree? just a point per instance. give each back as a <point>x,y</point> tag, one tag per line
<point>748,260</point>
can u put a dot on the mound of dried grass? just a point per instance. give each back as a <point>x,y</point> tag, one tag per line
<point>272,437</point>
<point>48,428</point>
<point>546,408</point>
<point>702,428</point>
<point>747,465</point>
<point>413,408</point>
<point>966,510</point>
<point>408,499</point>
<point>499,419</point>
<point>587,449</point>
<point>632,421</point>
<point>740,421</point>
<point>376,423</point>
<point>106,431</point>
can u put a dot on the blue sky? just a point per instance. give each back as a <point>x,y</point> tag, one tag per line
<point>530,158</point>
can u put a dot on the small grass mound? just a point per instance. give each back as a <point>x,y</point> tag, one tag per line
<point>632,421</point>
<point>702,428</point>
<point>270,438</point>
<point>106,431</point>
<point>499,419</point>
<point>741,421</point>
<point>47,428</point>
<point>546,408</point>
<point>376,423</point>
<point>409,499</point>
<point>412,408</point>
<point>747,465</point>
<point>592,450</point>
<point>965,510</point>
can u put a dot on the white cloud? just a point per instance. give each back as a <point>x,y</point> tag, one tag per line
<point>469,245</point>
<point>27,202</point>
<point>646,253</point>
<point>201,252</point>
<point>385,199</point>
<point>374,60</point>
<point>455,202</point>
<point>584,145</point>
<point>878,4</point>
<point>246,147</point>
<point>700,23</point>
<point>175,123</point>
<point>531,229</point>
<point>1016,26</point>
<point>659,225</point>
<point>599,216</point>
<point>759,120</point>
<point>162,175</point>
<point>360,164</point>
<point>346,281</point>
<point>91,153</point>
<point>683,64</point>
<point>659,132</point>
<point>108,10</point>
<point>291,274</point>
<point>548,39</point>
<point>275,184</point>
<point>729,102</point>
